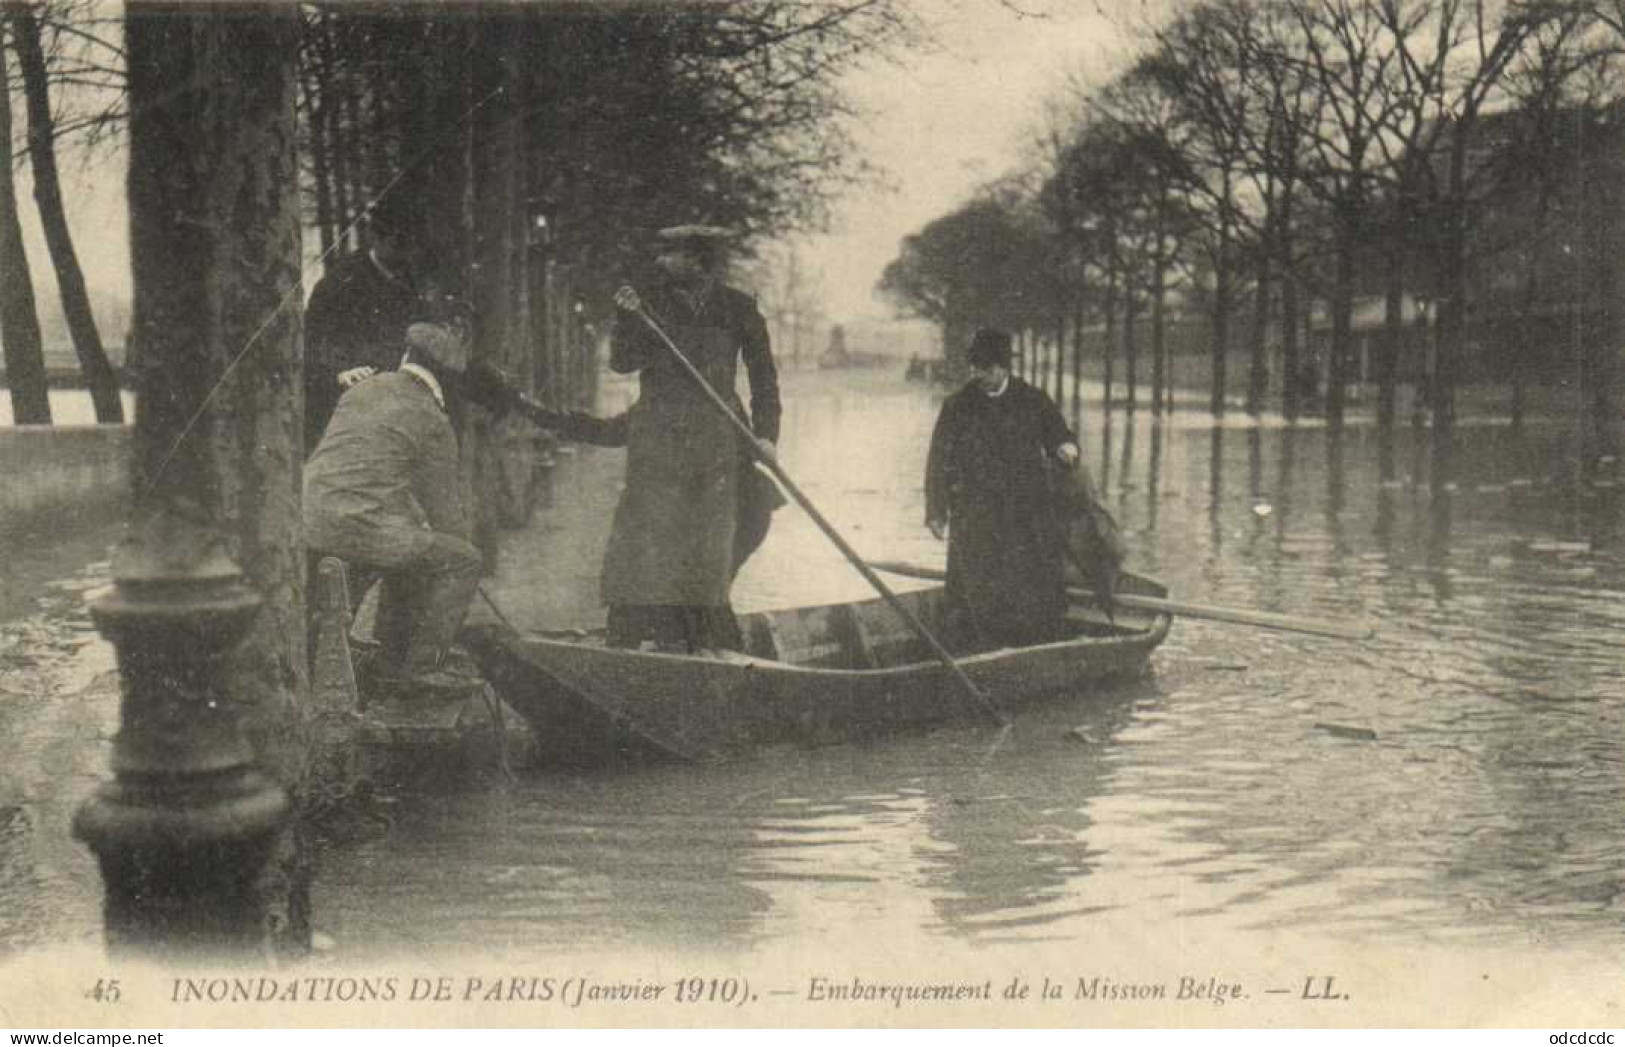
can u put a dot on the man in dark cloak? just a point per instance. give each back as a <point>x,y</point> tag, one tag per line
<point>358,313</point>
<point>987,491</point>
<point>671,554</point>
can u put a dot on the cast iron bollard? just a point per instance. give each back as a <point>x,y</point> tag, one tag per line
<point>185,827</point>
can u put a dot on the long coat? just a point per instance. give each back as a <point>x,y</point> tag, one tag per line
<point>672,542</point>
<point>986,475</point>
<point>357,317</point>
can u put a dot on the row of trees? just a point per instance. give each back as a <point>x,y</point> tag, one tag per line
<point>60,49</point>
<point>1260,154</point>
<point>544,142</point>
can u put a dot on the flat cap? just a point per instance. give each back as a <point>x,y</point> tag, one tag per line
<point>436,341</point>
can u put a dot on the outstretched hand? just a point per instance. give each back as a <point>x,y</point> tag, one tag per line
<point>938,528</point>
<point>1067,453</point>
<point>354,375</point>
<point>627,298</point>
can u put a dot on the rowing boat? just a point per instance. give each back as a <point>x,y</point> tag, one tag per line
<point>808,676</point>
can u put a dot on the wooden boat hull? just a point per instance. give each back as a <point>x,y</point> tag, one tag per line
<point>812,676</point>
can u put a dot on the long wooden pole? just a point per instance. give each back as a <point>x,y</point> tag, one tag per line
<point>1157,605</point>
<point>824,525</point>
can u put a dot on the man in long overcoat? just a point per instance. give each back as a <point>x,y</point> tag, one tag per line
<point>359,310</point>
<point>987,491</point>
<point>670,560</point>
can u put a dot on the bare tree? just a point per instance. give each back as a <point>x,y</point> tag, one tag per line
<point>100,378</point>
<point>1346,52</point>
<point>1204,65</point>
<point>19,315</point>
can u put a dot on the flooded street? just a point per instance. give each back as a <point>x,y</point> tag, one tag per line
<point>1459,779</point>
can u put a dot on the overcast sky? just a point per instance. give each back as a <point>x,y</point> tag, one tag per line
<point>946,121</point>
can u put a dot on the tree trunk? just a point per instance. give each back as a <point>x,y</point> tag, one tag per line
<point>1527,325</point>
<point>215,259</point>
<point>99,375</point>
<point>1159,305</point>
<point>501,459</point>
<point>344,214</point>
<point>1290,362</point>
<point>1108,336</point>
<point>1221,302</point>
<point>19,318</point>
<point>321,166</point>
<point>1342,315</point>
<point>354,142</point>
<point>1060,357</point>
<point>443,137</point>
<point>1393,339</point>
<point>1257,368</point>
<point>1130,341</point>
<point>1078,318</point>
<point>1453,307</point>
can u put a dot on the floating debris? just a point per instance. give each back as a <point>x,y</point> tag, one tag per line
<point>1559,547</point>
<point>1362,734</point>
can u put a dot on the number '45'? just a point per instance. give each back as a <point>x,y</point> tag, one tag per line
<point>104,991</point>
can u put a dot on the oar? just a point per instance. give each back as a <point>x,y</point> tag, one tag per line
<point>1263,619</point>
<point>824,525</point>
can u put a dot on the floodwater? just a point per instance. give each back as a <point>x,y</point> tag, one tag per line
<point>1458,779</point>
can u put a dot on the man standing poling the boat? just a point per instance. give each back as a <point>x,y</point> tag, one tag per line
<point>383,494</point>
<point>670,560</point>
<point>987,491</point>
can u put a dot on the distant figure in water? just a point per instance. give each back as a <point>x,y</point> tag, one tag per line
<point>987,491</point>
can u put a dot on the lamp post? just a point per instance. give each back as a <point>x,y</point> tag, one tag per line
<point>185,826</point>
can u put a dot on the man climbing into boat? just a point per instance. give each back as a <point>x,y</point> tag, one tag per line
<point>987,492</point>
<point>671,558</point>
<point>383,494</point>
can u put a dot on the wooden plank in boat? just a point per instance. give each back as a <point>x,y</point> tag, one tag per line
<point>809,636</point>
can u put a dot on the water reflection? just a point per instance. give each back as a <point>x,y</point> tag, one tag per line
<point>1477,801</point>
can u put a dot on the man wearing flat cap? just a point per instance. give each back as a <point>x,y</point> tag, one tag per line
<point>671,555</point>
<point>987,491</point>
<point>358,313</point>
<point>383,494</point>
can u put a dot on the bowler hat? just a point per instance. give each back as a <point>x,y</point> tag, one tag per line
<point>435,306</point>
<point>392,213</point>
<point>989,347</point>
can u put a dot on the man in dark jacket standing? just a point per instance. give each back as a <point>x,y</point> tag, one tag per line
<point>383,494</point>
<point>670,560</point>
<point>987,491</point>
<point>359,310</point>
